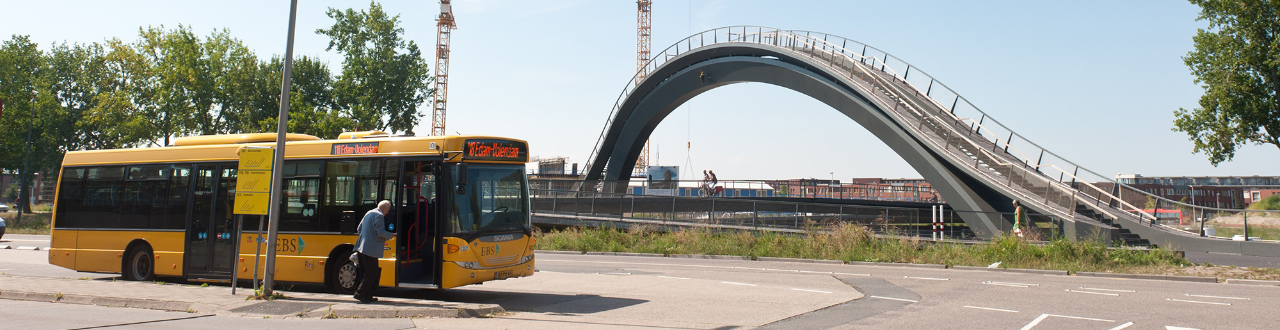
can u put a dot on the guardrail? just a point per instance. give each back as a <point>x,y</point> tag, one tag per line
<point>944,119</point>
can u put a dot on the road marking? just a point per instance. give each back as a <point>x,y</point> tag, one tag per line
<point>992,309</point>
<point>1170,327</point>
<point>1112,290</point>
<point>1122,326</point>
<point>898,299</point>
<point>672,277</point>
<point>614,273</point>
<point>1002,284</point>
<point>1101,293</point>
<point>1198,302</point>
<point>1196,295</point>
<point>807,290</point>
<point>1045,316</point>
<point>927,278</point>
<point>1010,283</point>
<point>736,283</point>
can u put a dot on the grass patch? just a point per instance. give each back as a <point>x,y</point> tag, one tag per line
<point>32,223</point>
<point>1269,233</point>
<point>851,242</point>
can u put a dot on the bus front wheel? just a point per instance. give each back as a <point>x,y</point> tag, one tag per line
<point>140,265</point>
<point>343,276</point>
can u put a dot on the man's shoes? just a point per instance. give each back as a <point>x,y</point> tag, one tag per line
<point>367,300</point>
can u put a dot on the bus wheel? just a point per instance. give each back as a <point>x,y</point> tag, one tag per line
<point>343,277</point>
<point>140,265</point>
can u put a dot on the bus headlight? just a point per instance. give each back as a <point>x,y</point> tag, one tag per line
<point>468,264</point>
<point>526,259</point>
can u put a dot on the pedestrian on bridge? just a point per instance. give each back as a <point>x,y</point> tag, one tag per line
<point>1018,214</point>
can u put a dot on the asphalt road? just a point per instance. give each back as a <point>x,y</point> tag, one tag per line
<point>590,292</point>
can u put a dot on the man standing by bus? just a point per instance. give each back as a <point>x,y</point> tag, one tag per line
<point>373,235</point>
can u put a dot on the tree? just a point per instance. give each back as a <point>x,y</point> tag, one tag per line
<point>384,78</point>
<point>1237,62</point>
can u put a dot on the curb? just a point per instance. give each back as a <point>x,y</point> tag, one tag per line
<point>165,305</point>
<point>1014,270</point>
<point>556,252</point>
<point>1152,277</point>
<point>895,264</point>
<point>816,261</point>
<point>414,312</point>
<point>624,254</point>
<point>1252,282</point>
<point>709,256</point>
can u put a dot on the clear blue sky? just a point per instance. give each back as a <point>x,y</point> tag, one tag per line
<point>1095,81</point>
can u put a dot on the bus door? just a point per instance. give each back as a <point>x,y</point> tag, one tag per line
<point>417,257</point>
<point>210,223</point>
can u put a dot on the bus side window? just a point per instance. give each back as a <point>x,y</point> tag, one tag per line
<point>70,199</point>
<point>175,211</point>
<point>301,199</point>
<point>102,197</point>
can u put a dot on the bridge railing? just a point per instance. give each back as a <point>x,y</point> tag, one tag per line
<point>607,207</point>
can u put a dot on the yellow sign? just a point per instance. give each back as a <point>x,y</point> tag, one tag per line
<point>252,203</point>
<point>253,181</point>
<point>256,158</point>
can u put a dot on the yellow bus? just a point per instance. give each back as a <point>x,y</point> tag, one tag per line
<point>460,209</point>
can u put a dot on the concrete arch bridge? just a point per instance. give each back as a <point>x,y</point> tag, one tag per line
<point>975,162</point>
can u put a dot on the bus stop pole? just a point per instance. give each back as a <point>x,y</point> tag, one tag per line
<point>282,126</point>
<point>235,256</point>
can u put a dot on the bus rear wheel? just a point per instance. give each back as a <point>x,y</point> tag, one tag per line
<point>141,265</point>
<point>343,277</point>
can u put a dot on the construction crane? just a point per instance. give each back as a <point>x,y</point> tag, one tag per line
<point>643,27</point>
<point>444,27</point>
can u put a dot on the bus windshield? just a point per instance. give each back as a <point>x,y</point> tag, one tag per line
<point>494,199</point>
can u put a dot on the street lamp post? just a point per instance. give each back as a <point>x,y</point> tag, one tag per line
<point>282,126</point>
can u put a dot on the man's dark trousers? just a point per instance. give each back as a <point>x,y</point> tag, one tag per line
<point>370,273</point>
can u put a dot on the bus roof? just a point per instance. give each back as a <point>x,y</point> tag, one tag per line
<point>213,148</point>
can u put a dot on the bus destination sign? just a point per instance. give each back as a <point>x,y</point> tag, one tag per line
<point>354,148</point>
<point>501,150</point>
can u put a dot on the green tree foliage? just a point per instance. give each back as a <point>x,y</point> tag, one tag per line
<point>1237,62</point>
<point>384,77</point>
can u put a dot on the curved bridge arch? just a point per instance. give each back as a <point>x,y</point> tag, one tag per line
<point>972,171</point>
<point>690,74</point>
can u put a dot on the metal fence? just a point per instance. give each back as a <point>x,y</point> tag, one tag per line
<point>741,213</point>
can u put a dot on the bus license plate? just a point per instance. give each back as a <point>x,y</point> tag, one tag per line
<point>501,274</point>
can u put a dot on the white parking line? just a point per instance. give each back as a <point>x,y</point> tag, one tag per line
<point>672,277</point>
<point>736,283</point>
<point>1112,290</point>
<point>1196,295</point>
<point>1045,316</point>
<point>1101,293</point>
<point>807,290</point>
<point>614,273</point>
<point>1198,302</point>
<point>1010,283</point>
<point>898,299</point>
<point>1002,284</point>
<point>992,309</point>
<point>927,278</point>
<point>1122,326</point>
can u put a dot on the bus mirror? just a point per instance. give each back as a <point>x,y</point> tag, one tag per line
<point>462,179</point>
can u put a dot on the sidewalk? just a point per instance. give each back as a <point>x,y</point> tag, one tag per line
<point>217,299</point>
